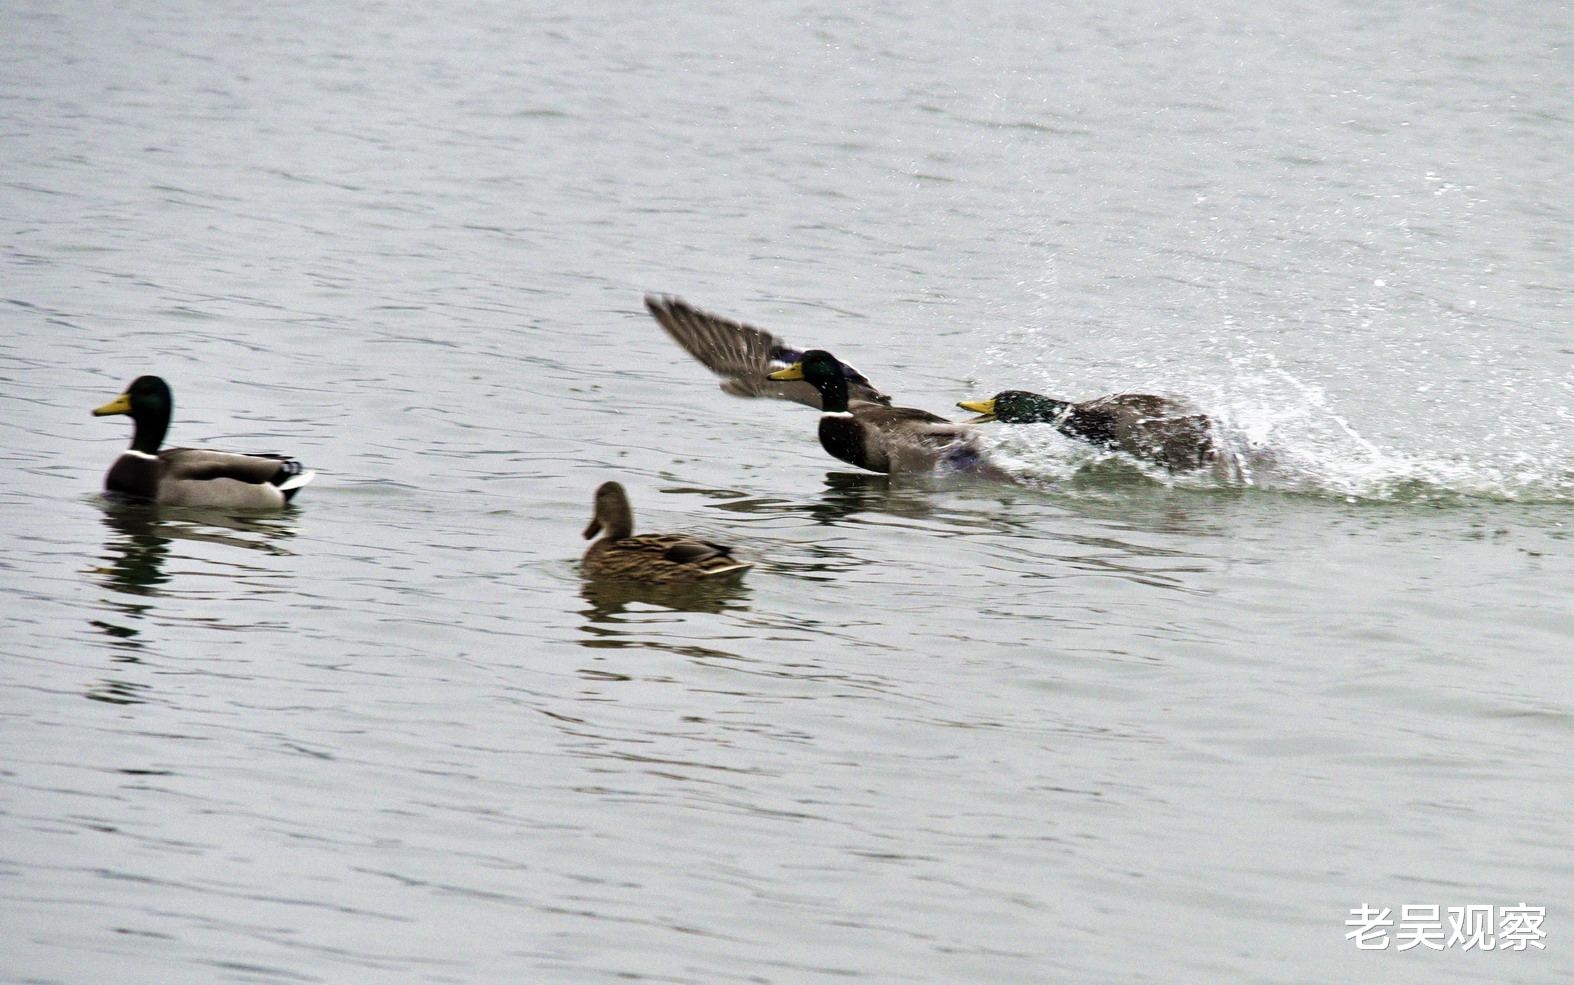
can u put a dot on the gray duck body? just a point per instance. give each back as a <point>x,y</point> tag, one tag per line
<point>190,476</point>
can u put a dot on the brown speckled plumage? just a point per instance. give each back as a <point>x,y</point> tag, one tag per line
<point>653,558</point>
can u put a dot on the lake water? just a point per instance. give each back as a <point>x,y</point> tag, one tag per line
<point>1095,725</point>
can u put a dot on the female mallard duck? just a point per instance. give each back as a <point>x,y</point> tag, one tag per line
<point>1154,428</point>
<point>662,558</point>
<point>191,476</point>
<point>745,356</point>
<point>876,437</point>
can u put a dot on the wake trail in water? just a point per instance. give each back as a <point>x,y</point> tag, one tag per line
<point>1277,432</point>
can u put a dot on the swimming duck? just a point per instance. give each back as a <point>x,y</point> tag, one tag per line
<point>659,558</point>
<point>744,356</point>
<point>874,436</point>
<point>191,476</point>
<point>1154,428</point>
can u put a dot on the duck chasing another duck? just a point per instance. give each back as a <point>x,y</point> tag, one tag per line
<point>1149,427</point>
<point>656,558</point>
<point>874,436</point>
<point>191,476</point>
<point>745,356</point>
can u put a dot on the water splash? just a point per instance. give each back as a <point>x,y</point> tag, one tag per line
<point>1278,432</point>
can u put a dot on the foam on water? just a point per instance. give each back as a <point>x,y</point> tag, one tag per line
<point>1281,433</point>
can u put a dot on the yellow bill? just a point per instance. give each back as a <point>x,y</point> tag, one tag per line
<point>120,405</point>
<point>984,408</point>
<point>793,372</point>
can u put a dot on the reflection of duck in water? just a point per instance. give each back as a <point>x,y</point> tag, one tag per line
<point>136,555</point>
<point>848,494</point>
<point>1157,429</point>
<point>649,557</point>
<point>191,476</point>
<point>615,601</point>
<point>144,536</point>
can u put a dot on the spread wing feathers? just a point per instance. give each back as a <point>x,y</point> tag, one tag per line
<point>200,464</point>
<point>743,355</point>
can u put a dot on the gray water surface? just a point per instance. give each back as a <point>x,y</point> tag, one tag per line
<point>1098,724</point>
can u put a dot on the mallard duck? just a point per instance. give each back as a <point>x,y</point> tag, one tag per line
<point>1154,428</point>
<point>860,427</point>
<point>662,558</point>
<point>191,476</point>
<point>876,437</point>
<point>745,356</point>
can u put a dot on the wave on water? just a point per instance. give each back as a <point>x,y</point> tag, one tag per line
<point>1282,434</point>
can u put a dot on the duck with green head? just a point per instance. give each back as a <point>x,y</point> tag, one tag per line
<point>655,558</point>
<point>744,355</point>
<point>1157,429</point>
<point>190,476</point>
<point>874,436</point>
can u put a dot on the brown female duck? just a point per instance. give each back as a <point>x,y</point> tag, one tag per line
<point>656,558</point>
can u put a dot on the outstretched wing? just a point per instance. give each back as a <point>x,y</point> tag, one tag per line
<point>743,355</point>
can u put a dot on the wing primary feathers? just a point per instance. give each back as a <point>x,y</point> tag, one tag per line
<point>743,355</point>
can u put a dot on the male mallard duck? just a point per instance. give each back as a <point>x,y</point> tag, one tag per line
<point>876,437</point>
<point>191,476</point>
<point>860,427</point>
<point>1154,428</point>
<point>662,558</point>
<point>745,356</point>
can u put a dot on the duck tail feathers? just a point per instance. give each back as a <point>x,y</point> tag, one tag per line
<point>736,567</point>
<point>291,484</point>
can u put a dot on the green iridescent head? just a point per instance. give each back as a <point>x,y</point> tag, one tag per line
<point>147,401</point>
<point>824,372</point>
<point>1015,407</point>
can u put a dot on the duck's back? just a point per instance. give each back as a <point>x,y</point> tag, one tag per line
<point>889,439</point>
<point>1148,426</point>
<point>202,477</point>
<point>661,558</point>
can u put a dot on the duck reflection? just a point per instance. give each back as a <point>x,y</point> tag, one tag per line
<point>136,549</point>
<point>609,600</point>
<point>847,494</point>
<point>623,614</point>
<point>134,555</point>
<point>113,691</point>
<point>142,538</point>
